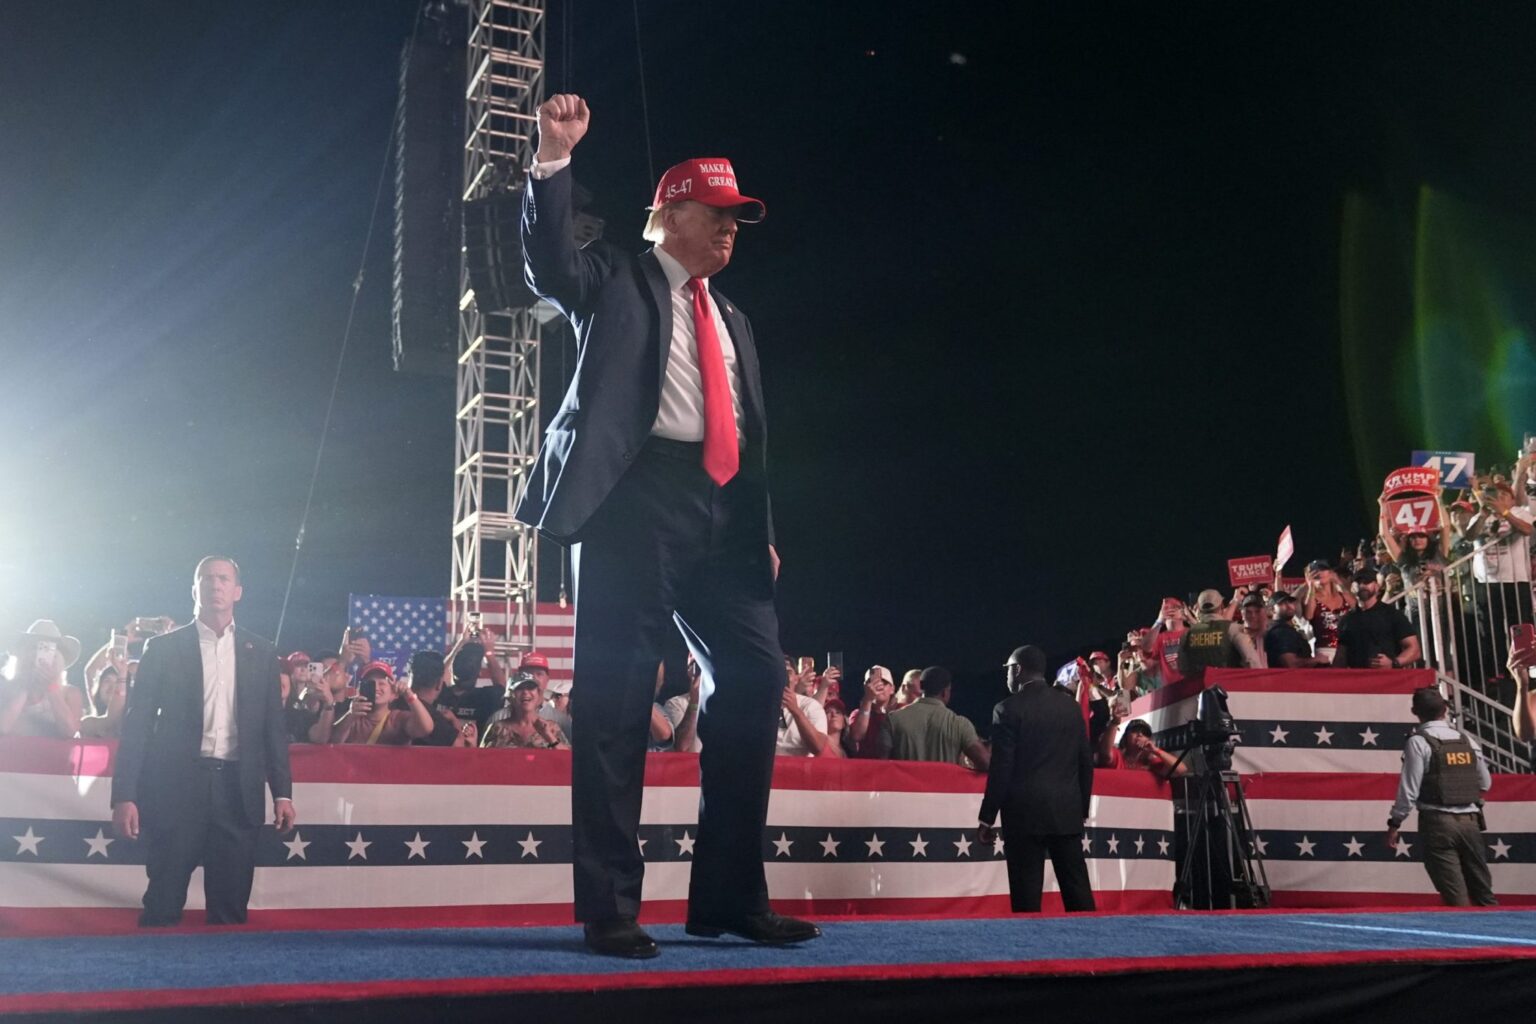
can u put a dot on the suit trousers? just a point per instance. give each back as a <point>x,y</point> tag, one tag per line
<point>1026,855</point>
<point>1455,859</point>
<point>207,827</point>
<point>669,549</point>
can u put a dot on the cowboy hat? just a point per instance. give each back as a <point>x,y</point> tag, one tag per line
<point>47,629</point>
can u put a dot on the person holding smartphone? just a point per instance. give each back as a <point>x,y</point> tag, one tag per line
<point>39,701</point>
<point>1522,655</point>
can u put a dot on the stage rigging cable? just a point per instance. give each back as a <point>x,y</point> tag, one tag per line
<point>341,354</point>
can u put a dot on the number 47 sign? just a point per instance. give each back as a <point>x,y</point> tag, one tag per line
<point>1413,515</point>
<point>1456,469</point>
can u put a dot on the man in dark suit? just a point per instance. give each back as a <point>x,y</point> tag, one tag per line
<point>1042,780</point>
<point>654,470</point>
<point>202,737</point>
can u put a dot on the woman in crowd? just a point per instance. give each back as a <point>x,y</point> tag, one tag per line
<point>384,712</point>
<point>837,729</point>
<point>909,690</point>
<point>1324,600</point>
<point>519,724</point>
<point>38,700</point>
<point>1134,674</point>
<point>1136,750</point>
<point>109,697</point>
<point>1417,556</point>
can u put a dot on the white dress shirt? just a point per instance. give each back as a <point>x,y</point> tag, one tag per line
<point>221,733</point>
<point>791,742</point>
<point>680,414</point>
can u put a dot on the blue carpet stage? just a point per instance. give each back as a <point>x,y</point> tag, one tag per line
<point>1250,966</point>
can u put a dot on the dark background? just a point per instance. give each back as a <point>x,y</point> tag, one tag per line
<point>1048,295</point>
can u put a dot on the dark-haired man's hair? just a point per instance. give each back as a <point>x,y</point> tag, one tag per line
<point>1428,705</point>
<point>216,558</point>
<point>935,680</point>
<point>1032,660</point>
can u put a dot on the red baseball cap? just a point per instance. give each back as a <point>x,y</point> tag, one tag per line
<point>376,666</point>
<point>1096,655</point>
<point>709,180</point>
<point>533,659</point>
<point>294,660</point>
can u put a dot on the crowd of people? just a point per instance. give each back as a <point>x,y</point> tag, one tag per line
<point>469,696</point>
<point>1346,612</point>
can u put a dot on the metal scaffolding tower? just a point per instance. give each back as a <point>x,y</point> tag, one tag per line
<point>496,436</point>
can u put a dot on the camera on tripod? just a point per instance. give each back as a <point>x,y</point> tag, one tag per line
<point>1219,865</point>
<point>1213,731</point>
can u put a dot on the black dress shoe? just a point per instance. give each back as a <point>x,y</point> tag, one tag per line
<point>767,928</point>
<point>619,936</point>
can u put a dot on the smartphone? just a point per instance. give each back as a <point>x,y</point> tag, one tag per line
<point>119,644</point>
<point>475,621</point>
<point>1522,637</point>
<point>835,660</point>
<point>1123,699</point>
<point>807,664</point>
<point>316,670</point>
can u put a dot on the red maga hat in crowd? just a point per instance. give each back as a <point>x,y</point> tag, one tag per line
<point>533,659</point>
<point>709,180</point>
<point>377,666</point>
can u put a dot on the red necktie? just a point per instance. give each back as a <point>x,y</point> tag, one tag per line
<point>721,457</point>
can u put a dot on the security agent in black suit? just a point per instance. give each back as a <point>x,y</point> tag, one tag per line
<point>1042,780</point>
<point>203,734</point>
<point>657,541</point>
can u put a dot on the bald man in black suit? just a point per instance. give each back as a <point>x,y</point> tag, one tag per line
<point>1041,779</point>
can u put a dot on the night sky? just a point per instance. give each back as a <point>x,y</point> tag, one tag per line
<point>1048,295</point>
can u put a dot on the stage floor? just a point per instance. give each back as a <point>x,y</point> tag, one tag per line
<point>326,970</point>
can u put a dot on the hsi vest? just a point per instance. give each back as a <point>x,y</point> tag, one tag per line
<point>1450,778</point>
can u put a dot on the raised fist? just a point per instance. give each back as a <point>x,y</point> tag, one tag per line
<point>563,120</point>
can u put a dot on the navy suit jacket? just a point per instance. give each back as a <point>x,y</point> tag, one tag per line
<point>621,308</point>
<point>1041,776</point>
<point>163,728</point>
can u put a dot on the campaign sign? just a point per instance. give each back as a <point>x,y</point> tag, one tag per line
<point>1413,515</point>
<point>1412,480</point>
<point>1286,547</point>
<point>1248,572</point>
<point>1292,584</point>
<point>1456,469</point>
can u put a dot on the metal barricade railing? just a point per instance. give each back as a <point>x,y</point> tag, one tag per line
<point>1488,720</point>
<point>1463,625</point>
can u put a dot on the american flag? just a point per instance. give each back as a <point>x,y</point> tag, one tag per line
<point>1302,720</point>
<point>428,834</point>
<point>398,626</point>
